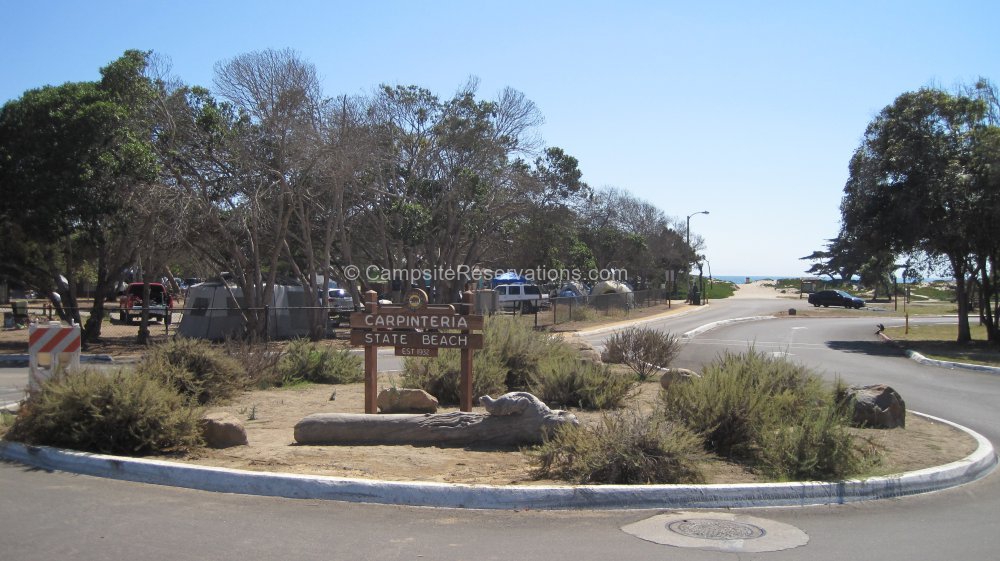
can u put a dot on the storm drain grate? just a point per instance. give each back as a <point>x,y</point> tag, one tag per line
<point>714,529</point>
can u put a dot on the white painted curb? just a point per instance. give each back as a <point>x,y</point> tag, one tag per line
<point>626,323</point>
<point>921,359</point>
<point>710,326</point>
<point>548,497</point>
<point>917,357</point>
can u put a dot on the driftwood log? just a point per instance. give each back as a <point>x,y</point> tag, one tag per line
<point>513,419</point>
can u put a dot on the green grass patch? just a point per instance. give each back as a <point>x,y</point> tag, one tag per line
<point>717,290</point>
<point>935,291</point>
<point>937,341</point>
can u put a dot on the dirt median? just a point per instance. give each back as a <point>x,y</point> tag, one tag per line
<point>270,416</point>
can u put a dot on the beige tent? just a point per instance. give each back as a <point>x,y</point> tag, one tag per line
<point>611,293</point>
<point>211,312</point>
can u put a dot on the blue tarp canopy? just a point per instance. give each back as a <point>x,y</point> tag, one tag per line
<point>510,277</point>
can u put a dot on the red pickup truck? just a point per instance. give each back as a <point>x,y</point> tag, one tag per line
<point>161,304</point>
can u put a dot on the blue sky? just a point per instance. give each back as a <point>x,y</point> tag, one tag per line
<point>749,110</point>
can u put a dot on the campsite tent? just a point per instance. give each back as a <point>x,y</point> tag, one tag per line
<point>612,294</point>
<point>610,287</point>
<point>510,277</point>
<point>211,312</point>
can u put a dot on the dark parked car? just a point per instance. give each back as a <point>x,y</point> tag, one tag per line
<point>827,298</point>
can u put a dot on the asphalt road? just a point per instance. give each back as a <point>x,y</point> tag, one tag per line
<point>13,382</point>
<point>56,515</point>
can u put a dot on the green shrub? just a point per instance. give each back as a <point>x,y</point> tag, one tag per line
<point>6,420</point>
<point>259,360</point>
<point>729,403</point>
<point>305,361</point>
<point>509,360</point>
<point>625,448</point>
<point>519,348</point>
<point>562,381</point>
<point>772,414</point>
<point>196,369</point>
<point>819,446</point>
<point>642,349</point>
<point>441,376</point>
<point>119,413</point>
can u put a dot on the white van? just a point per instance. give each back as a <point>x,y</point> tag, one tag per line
<point>526,298</point>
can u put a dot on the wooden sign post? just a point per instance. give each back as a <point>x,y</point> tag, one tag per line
<point>416,329</point>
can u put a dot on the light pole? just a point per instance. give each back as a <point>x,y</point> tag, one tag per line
<point>688,242</point>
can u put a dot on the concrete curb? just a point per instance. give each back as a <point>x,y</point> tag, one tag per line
<point>631,323</point>
<point>919,358</point>
<point>976,465</point>
<point>710,326</point>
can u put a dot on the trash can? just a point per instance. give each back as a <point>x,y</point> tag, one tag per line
<point>696,297</point>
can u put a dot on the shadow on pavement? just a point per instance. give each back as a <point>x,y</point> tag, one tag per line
<point>872,348</point>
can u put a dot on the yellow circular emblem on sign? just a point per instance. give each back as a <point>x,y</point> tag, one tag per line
<point>415,300</point>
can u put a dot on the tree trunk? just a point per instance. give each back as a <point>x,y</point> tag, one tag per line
<point>962,297</point>
<point>988,294</point>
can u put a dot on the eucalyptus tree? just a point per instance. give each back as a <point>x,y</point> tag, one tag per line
<point>246,167</point>
<point>626,232</point>
<point>986,178</point>
<point>547,234</point>
<point>444,179</point>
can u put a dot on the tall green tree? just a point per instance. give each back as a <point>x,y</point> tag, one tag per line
<point>71,157</point>
<point>915,183</point>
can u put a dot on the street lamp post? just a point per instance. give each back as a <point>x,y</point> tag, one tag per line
<point>689,225</point>
<point>688,242</point>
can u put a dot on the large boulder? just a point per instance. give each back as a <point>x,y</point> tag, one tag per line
<point>587,352</point>
<point>876,406</point>
<point>673,375</point>
<point>223,430</point>
<point>406,400</point>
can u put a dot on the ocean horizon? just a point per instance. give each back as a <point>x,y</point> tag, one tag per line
<point>740,279</point>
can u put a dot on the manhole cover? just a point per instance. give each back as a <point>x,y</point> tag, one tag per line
<point>714,529</point>
<point>718,531</point>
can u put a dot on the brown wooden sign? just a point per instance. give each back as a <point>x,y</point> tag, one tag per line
<point>417,339</point>
<point>416,329</point>
<point>389,320</point>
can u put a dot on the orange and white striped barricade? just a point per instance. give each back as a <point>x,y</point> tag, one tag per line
<point>51,348</point>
